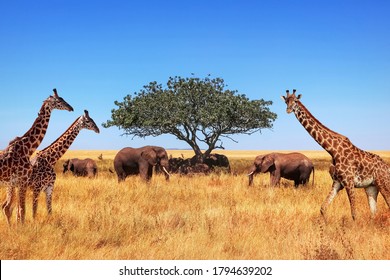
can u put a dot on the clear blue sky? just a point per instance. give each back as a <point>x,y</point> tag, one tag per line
<point>335,53</point>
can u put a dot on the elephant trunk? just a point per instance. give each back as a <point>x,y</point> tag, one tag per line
<point>250,175</point>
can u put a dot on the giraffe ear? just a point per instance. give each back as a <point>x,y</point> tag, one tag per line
<point>283,97</point>
<point>299,96</point>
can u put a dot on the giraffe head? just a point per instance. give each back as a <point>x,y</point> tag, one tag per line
<point>56,102</point>
<point>88,123</point>
<point>291,100</point>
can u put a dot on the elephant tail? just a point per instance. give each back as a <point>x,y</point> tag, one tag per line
<point>312,184</point>
<point>111,171</point>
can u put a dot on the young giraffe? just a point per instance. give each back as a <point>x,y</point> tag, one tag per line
<point>351,167</point>
<point>15,166</point>
<point>43,175</point>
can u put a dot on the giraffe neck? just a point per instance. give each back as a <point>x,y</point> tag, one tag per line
<point>327,138</point>
<point>58,148</point>
<point>35,134</point>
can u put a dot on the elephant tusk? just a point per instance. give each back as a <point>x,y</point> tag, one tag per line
<point>166,171</point>
<point>250,174</point>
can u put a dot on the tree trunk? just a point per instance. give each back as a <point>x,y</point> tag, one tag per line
<point>198,158</point>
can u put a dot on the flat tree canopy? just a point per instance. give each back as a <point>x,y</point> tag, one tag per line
<point>192,109</point>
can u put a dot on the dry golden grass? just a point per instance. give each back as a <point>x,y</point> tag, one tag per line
<point>203,217</point>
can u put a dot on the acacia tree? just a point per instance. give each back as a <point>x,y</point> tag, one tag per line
<point>192,109</point>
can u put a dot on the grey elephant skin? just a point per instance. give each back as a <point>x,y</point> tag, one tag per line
<point>134,161</point>
<point>81,167</point>
<point>291,166</point>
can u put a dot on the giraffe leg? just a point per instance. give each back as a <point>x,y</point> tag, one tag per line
<point>386,196</point>
<point>48,192</point>
<point>22,202</point>
<point>350,188</point>
<point>35,201</point>
<point>372,195</point>
<point>332,194</point>
<point>383,184</point>
<point>7,210</point>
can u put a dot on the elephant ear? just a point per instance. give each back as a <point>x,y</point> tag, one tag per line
<point>150,156</point>
<point>268,161</point>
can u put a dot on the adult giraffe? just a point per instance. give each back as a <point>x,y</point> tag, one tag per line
<point>15,166</point>
<point>351,167</point>
<point>43,175</point>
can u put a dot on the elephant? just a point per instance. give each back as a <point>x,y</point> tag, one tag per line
<point>186,168</point>
<point>213,160</point>
<point>175,164</point>
<point>81,167</point>
<point>189,166</point>
<point>291,166</point>
<point>133,161</point>
<point>199,168</point>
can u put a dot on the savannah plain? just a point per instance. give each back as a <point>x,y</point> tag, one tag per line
<point>196,218</point>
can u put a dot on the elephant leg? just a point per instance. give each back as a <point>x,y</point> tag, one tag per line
<point>121,175</point>
<point>150,173</point>
<point>271,180</point>
<point>120,178</point>
<point>146,171</point>
<point>275,178</point>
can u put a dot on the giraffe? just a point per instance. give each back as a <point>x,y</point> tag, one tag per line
<point>15,166</point>
<point>43,175</point>
<point>351,167</point>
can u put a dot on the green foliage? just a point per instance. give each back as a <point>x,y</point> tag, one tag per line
<point>192,109</point>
